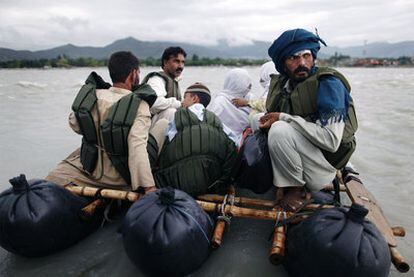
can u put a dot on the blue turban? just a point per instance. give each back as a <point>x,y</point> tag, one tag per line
<point>291,42</point>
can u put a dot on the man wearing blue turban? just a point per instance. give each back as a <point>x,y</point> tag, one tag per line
<point>310,117</point>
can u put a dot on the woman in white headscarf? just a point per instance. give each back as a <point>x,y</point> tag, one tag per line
<point>266,71</point>
<point>237,84</point>
<point>258,106</point>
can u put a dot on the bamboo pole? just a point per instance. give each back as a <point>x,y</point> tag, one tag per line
<point>398,260</point>
<point>216,240</point>
<point>221,223</point>
<point>315,207</point>
<point>277,251</point>
<point>207,206</point>
<point>242,201</point>
<point>398,231</point>
<point>241,212</point>
<point>89,210</point>
<point>330,187</point>
<point>105,193</point>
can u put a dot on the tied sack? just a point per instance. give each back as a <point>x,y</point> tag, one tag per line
<point>166,233</point>
<point>38,218</point>
<point>337,242</point>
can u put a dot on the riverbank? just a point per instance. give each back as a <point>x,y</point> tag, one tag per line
<point>334,61</point>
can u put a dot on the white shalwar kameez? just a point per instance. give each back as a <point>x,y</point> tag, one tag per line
<point>294,148</point>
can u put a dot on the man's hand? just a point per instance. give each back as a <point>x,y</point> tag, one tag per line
<point>240,102</point>
<point>266,121</point>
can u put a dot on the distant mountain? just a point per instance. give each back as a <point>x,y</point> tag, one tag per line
<point>9,54</point>
<point>256,50</point>
<point>376,49</point>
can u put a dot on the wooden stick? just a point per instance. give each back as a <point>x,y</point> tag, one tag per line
<point>398,260</point>
<point>315,207</point>
<point>330,187</point>
<point>207,206</point>
<point>89,210</point>
<point>277,251</point>
<point>242,201</point>
<point>221,224</point>
<point>241,212</point>
<point>216,240</point>
<point>398,231</point>
<point>105,193</point>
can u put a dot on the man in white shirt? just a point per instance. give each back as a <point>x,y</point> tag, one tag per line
<point>165,84</point>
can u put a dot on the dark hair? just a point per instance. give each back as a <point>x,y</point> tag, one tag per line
<point>172,52</point>
<point>203,97</point>
<point>121,64</point>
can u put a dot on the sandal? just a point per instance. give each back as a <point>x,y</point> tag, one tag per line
<point>292,199</point>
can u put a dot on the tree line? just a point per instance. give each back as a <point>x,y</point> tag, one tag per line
<point>66,62</point>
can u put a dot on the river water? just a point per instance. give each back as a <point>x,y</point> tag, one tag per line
<point>34,137</point>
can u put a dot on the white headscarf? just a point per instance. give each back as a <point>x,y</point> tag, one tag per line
<point>266,70</point>
<point>237,84</point>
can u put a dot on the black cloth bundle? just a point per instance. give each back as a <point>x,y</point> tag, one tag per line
<point>255,172</point>
<point>337,242</point>
<point>166,233</point>
<point>38,218</point>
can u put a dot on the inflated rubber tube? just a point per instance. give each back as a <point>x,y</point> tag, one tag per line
<point>166,233</point>
<point>337,242</point>
<point>38,218</point>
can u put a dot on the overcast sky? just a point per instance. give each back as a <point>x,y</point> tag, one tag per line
<point>41,24</point>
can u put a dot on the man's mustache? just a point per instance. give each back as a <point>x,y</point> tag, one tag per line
<point>301,69</point>
<point>179,70</point>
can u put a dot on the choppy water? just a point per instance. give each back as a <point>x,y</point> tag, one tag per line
<point>34,136</point>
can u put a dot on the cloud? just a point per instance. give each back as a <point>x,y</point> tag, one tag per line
<point>69,24</point>
<point>341,23</point>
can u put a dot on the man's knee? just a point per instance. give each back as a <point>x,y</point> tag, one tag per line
<point>281,133</point>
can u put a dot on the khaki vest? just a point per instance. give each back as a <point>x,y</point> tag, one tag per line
<point>171,85</point>
<point>115,129</point>
<point>302,102</point>
<point>82,107</point>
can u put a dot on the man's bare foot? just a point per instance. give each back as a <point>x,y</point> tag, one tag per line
<point>292,199</point>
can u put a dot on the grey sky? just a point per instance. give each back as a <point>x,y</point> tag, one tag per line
<point>43,24</point>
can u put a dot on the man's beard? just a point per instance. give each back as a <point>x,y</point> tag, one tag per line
<point>292,75</point>
<point>135,85</point>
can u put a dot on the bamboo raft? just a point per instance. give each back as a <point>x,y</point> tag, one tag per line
<point>229,206</point>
